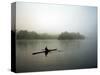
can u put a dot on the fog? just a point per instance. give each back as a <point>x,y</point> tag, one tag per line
<point>47,22</point>
<point>54,18</point>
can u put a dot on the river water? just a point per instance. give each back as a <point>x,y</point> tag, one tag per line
<point>72,54</point>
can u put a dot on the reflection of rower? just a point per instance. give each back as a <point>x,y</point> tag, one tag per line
<point>46,51</point>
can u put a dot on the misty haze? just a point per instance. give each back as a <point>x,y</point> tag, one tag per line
<point>55,37</point>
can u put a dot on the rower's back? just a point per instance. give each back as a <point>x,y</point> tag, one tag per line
<point>46,49</point>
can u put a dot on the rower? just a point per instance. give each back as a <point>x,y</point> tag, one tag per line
<point>46,49</point>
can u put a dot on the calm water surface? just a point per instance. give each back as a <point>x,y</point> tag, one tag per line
<point>74,54</point>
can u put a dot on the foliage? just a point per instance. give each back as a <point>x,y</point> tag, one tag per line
<point>70,36</point>
<point>23,34</point>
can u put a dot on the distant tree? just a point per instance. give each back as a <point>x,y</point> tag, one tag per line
<point>24,34</point>
<point>70,36</point>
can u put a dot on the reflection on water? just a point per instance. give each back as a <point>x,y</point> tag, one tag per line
<point>75,54</point>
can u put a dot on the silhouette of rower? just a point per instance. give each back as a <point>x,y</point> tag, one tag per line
<point>46,51</point>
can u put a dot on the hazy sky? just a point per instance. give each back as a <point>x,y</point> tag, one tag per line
<point>45,18</point>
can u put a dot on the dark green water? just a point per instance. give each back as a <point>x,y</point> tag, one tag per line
<point>74,54</point>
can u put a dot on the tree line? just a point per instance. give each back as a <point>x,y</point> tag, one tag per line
<point>24,34</point>
<point>72,35</point>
